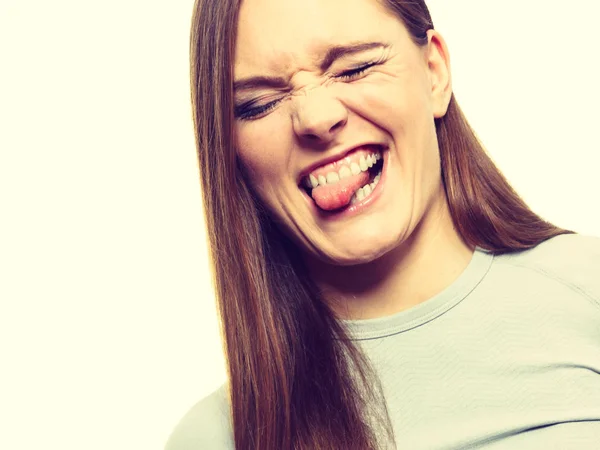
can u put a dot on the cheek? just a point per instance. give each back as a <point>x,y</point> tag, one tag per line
<point>393,104</point>
<point>262,153</point>
<point>265,156</point>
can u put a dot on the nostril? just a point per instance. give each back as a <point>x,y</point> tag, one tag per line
<point>337,126</point>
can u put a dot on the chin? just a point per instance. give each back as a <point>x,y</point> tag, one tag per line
<point>355,253</point>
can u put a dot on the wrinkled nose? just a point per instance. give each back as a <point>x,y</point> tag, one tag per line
<point>319,116</point>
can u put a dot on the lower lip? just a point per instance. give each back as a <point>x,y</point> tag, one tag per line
<point>357,207</point>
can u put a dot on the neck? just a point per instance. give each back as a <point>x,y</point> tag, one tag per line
<point>428,261</point>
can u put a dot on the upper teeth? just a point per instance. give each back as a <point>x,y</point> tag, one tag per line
<point>344,171</point>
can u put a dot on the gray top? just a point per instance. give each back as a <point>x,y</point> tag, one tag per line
<point>506,357</point>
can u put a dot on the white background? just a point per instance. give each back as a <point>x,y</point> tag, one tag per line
<point>107,322</point>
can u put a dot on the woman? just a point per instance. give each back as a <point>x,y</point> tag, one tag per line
<point>380,284</point>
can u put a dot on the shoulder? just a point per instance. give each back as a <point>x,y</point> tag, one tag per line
<point>559,252</point>
<point>206,425</point>
<point>572,259</point>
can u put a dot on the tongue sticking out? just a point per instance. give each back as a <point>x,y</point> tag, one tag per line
<point>338,195</point>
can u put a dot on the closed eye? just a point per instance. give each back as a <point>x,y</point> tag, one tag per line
<point>355,73</point>
<point>249,112</point>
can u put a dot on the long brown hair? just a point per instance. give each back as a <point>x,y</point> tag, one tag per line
<point>296,379</point>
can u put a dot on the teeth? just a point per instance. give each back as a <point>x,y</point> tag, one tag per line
<point>365,191</point>
<point>332,177</point>
<point>345,172</point>
<point>363,165</point>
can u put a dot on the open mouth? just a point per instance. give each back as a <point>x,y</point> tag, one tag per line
<point>346,182</point>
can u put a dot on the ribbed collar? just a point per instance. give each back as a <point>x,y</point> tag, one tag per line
<point>428,310</point>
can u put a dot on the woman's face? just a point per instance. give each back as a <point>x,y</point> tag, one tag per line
<point>325,89</point>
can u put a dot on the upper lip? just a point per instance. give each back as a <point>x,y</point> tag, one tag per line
<point>335,157</point>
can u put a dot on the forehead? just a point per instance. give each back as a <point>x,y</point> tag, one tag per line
<point>278,35</point>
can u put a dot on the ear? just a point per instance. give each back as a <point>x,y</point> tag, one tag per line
<point>438,64</point>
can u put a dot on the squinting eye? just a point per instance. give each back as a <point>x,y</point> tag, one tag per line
<point>354,73</point>
<point>249,112</point>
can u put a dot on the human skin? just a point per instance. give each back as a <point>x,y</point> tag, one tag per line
<point>400,247</point>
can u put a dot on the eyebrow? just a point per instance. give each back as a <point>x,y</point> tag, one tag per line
<point>334,53</point>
